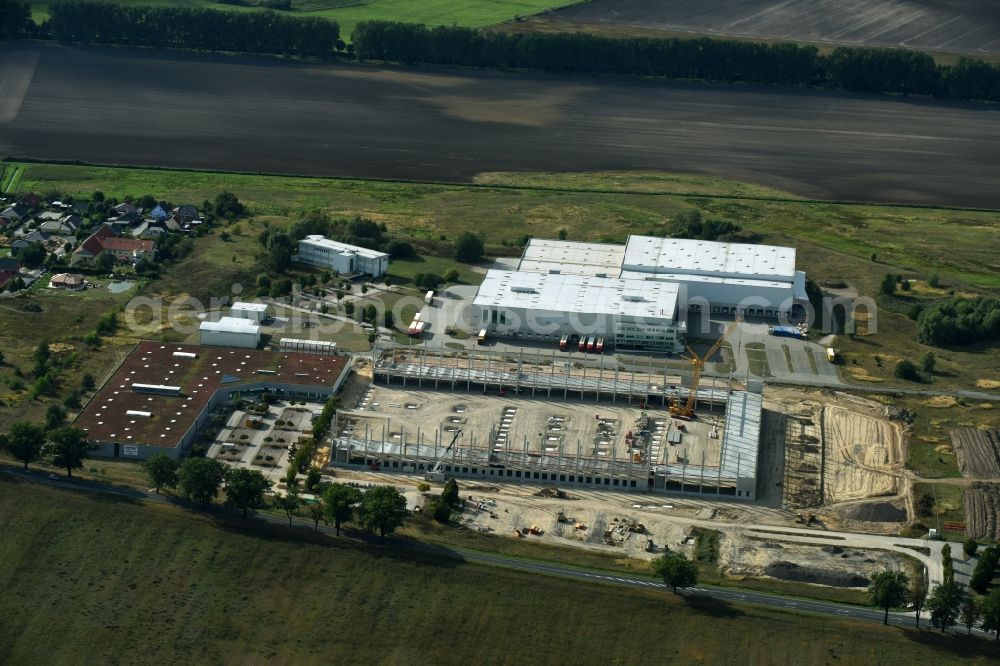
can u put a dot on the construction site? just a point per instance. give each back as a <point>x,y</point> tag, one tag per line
<point>483,415</point>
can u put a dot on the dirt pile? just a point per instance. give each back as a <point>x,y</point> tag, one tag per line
<point>876,512</point>
<point>785,570</point>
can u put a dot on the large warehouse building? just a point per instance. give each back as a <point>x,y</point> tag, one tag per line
<point>163,395</point>
<point>635,294</point>
<point>342,257</point>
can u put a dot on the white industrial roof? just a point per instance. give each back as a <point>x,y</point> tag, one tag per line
<point>688,277</point>
<point>578,293</point>
<point>337,246</point>
<point>230,325</point>
<point>679,255</point>
<point>572,258</point>
<point>249,307</point>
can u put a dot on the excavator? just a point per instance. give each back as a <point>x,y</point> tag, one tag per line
<point>686,410</point>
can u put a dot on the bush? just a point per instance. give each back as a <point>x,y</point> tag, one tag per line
<point>925,505</point>
<point>970,546</point>
<point>423,487</point>
<point>441,511</point>
<point>905,369</point>
<point>399,249</point>
<point>469,248</point>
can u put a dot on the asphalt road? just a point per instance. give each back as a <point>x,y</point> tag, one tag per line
<point>728,595</point>
<point>119,106</point>
<point>957,26</point>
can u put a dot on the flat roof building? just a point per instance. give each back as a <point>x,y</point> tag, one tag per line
<point>255,312</point>
<point>630,313</point>
<point>342,257</point>
<point>572,258</point>
<point>735,278</point>
<point>230,332</point>
<point>162,395</point>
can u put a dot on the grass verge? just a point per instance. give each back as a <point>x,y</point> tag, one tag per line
<point>72,587</point>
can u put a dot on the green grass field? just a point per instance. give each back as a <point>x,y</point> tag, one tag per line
<point>348,13</point>
<point>98,579</point>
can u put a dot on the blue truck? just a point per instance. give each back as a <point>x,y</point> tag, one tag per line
<point>785,332</point>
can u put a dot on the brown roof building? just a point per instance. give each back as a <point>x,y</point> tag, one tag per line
<point>162,395</point>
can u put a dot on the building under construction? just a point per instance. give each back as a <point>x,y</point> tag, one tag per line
<point>533,418</point>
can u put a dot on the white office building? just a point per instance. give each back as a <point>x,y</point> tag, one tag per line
<point>255,312</point>
<point>230,332</point>
<point>631,314</point>
<point>342,257</point>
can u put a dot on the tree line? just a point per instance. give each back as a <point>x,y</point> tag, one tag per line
<point>856,69</point>
<point>263,31</point>
<point>849,68</point>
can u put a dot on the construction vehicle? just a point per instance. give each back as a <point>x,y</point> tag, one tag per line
<point>435,475</point>
<point>686,410</point>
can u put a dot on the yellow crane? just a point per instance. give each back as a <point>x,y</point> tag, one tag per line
<point>686,411</point>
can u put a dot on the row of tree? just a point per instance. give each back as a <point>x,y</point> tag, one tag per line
<point>381,509</point>
<point>846,68</point>
<point>192,28</point>
<point>65,447</point>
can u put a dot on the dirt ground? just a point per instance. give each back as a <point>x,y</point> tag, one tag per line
<point>982,508</point>
<point>839,449</point>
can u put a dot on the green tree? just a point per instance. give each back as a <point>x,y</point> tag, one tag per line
<point>55,415</point>
<point>383,509</point>
<point>985,569</point>
<point>970,546</point>
<point>289,503</point>
<point>451,275</point>
<point>918,595</point>
<point>31,255</point>
<point>450,493</point>
<point>944,604</point>
<point>563,233</point>
<point>887,590</point>
<point>927,363</point>
<point>199,479</point>
<point>469,248</point>
<point>888,285</point>
<point>947,563</point>
<point>246,488</point>
<point>339,501</point>
<point>104,262</point>
<point>162,471</point>
<point>313,477</point>
<point>989,608</point>
<point>676,570</point>
<point>317,511</point>
<point>25,442</point>
<point>970,612</point>
<point>69,448</point>
<point>87,382</point>
<point>441,511</point>
<point>42,357</point>
<point>934,281</point>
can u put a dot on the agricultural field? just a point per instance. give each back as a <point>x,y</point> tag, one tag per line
<point>348,13</point>
<point>179,602</point>
<point>970,27</point>
<point>978,452</point>
<point>982,511</point>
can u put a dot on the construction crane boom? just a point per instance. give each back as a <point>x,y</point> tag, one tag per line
<point>435,474</point>
<point>697,365</point>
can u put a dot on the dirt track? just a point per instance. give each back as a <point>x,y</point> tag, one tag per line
<point>255,114</point>
<point>967,26</point>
